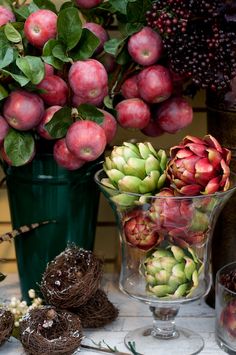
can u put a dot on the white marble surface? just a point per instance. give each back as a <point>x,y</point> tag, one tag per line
<point>196,316</point>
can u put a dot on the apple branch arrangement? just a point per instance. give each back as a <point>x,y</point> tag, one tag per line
<point>66,81</point>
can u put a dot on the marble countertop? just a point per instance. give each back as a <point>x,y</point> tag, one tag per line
<point>196,316</point>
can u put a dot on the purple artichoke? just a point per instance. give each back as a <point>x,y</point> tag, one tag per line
<point>199,166</point>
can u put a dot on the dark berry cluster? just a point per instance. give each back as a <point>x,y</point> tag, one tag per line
<point>229,280</point>
<point>198,41</point>
<point>168,17</point>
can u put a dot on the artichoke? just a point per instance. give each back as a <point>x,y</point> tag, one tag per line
<point>139,230</point>
<point>179,219</point>
<point>199,166</point>
<point>172,272</point>
<point>136,168</point>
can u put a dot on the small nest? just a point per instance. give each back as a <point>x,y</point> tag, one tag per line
<point>97,312</point>
<point>47,330</point>
<point>71,278</point>
<point>6,325</point>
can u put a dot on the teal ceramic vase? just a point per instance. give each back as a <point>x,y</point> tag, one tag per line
<point>43,191</point>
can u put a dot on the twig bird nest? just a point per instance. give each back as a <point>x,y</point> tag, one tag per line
<point>47,330</point>
<point>71,278</point>
<point>97,312</point>
<point>6,325</point>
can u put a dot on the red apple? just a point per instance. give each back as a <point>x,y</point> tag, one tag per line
<point>108,61</point>
<point>4,127</point>
<point>56,90</point>
<point>129,88</point>
<point>6,15</point>
<point>88,80</point>
<point>23,110</point>
<point>88,4</point>
<point>145,47</point>
<point>48,115</point>
<point>86,140</point>
<point>40,26</point>
<point>99,32</point>
<point>97,101</point>
<point>49,70</point>
<point>155,84</point>
<point>109,125</point>
<point>152,129</point>
<point>133,113</point>
<point>64,157</point>
<point>174,114</point>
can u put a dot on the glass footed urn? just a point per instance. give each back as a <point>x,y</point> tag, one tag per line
<point>165,244</point>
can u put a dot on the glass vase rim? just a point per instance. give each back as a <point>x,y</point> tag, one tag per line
<point>181,197</point>
<point>218,277</point>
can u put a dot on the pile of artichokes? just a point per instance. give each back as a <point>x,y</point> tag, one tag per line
<point>160,214</point>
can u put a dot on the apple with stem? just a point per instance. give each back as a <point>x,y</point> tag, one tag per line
<point>145,46</point>
<point>86,140</point>
<point>40,26</point>
<point>89,81</point>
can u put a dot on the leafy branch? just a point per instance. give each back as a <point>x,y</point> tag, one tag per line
<point>106,348</point>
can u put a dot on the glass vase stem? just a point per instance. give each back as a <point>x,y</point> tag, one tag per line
<point>164,322</point>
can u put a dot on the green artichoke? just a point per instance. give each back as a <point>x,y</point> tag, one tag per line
<point>172,272</point>
<point>136,168</point>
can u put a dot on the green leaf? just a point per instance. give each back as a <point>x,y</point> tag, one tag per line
<point>66,4</point>
<point>108,102</point>
<point>105,6</point>
<point>48,56</point>
<point>57,64</point>
<point>86,47</point>
<point>60,122</point>
<point>120,6</point>
<point>32,7</point>
<point>91,113</point>
<point>32,67</point>
<point>136,10</point>
<point>123,57</point>
<point>21,79</point>
<point>59,52</point>
<point>19,147</point>
<point>11,33</point>
<point>7,53</point>
<point>130,28</point>
<point>45,4</point>
<point>114,46</point>
<point>69,27</point>
<point>3,92</point>
<point>23,12</point>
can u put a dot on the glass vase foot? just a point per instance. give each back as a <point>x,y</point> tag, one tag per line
<point>185,342</point>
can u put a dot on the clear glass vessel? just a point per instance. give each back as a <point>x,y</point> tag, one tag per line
<point>226,309</point>
<point>165,245</point>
